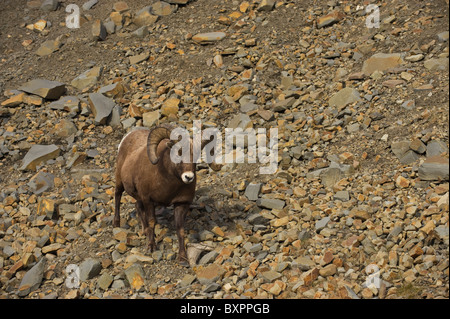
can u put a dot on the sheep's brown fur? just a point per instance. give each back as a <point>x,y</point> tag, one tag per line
<point>153,184</point>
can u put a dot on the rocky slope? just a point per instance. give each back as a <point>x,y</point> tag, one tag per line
<point>357,209</point>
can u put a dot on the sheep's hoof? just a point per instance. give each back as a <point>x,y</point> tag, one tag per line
<point>151,247</point>
<point>183,261</point>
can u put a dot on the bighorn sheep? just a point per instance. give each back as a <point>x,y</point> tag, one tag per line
<point>144,169</point>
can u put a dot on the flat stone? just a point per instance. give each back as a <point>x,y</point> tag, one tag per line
<point>139,58</point>
<point>38,154</point>
<point>89,4</point>
<point>87,79</point>
<point>270,275</point>
<point>409,157</point>
<point>177,1</point>
<point>434,168</point>
<point>271,203</point>
<point>41,182</point>
<point>442,232</point>
<point>344,97</point>
<point>49,5</point>
<point>98,30</point>
<point>135,276</point>
<point>252,191</point>
<point>162,8</point>
<point>209,37</point>
<point>436,147</point>
<point>418,146</point>
<point>415,57</point>
<point>322,223</point>
<point>209,274</point>
<point>266,5</point>
<point>48,47</point>
<point>51,90</point>
<point>381,62</point>
<point>66,103</point>
<point>105,280</point>
<point>328,270</point>
<point>121,6</point>
<point>436,64</point>
<point>15,100</point>
<point>32,278</point>
<point>90,268</point>
<point>342,195</point>
<point>149,119</point>
<point>304,263</point>
<point>101,106</point>
<point>330,19</point>
<point>409,105</point>
<point>144,17</point>
<point>443,36</point>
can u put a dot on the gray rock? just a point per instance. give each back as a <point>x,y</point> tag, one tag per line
<point>162,8</point>
<point>67,103</point>
<point>239,120</point>
<point>342,195</point>
<point>101,106</point>
<point>331,176</point>
<point>436,147</point>
<point>322,223</point>
<point>381,62</point>
<point>133,272</point>
<point>209,257</point>
<point>48,47</point>
<point>436,64</point>
<point>89,269</point>
<point>51,90</point>
<point>442,232</point>
<point>443,36</point>
<point>271,203</point>
<point>89,4</point>
<point>409,105</point>
<point>281,106</point>
<point>434,168</point>
<point>400,148</point>
<point>149,119</point>
<point>87,78</point>
<point>344,97</point>
<point>38,154</point>
<point>270,275</point>
<point>49,5</point>
<point>105,281</point>
<point>144,17</point>
<point>209,37</point>
<point>33,278</point>
<point>41,182</point>
<point>258,219</point>
<point>266,5</point>
<point>304,263</point>
<point>129,122</point>
<point>139,58</point>
<point>409,157</point>
<point>252,191</point>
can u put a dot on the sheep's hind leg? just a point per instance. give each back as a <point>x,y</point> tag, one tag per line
<point>146,213</point>
<point>117,197</point>
<point>180,216</point>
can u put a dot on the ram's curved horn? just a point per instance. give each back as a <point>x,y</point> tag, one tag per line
<point>156,135</point>
<point>213,165</point>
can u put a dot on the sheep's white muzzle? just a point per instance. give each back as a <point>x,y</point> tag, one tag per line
<point>187,177</point>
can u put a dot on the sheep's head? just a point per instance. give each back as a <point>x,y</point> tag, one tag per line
<point>185,167</point>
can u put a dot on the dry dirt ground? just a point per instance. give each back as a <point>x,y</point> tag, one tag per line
<point>178,62</point>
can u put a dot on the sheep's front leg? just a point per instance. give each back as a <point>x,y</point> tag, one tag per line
<point>146,213</point>
<point>117,196</point>
<point>180,216</point>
